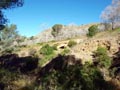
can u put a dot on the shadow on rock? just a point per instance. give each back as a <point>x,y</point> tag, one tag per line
<point>59,63</point>
<point>116,62</point>
<point>21,64</point>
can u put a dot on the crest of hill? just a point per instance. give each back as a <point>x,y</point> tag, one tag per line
<point>69,31</point>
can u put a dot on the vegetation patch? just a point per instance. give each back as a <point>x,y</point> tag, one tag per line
<point>56,29</point>
<point>92,30</point>
<point>48,53</point>
<point>72,43</point>
<point>47,50</point>
<point>45,59</point>
<point>102,58</point>
<point>65,51</point>
<point>62,76</point>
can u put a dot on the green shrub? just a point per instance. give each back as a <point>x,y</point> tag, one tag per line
<point>92,30</point>
<point>46,50</point>
<point>71,43</point>
<point>6,76</point>
<point>54,46</point>
<point>65,51</point>
<point>101,51</point>
<point>40,44</point>
<point>102,57</point>
<point>46,58</point>
<point>8,51</point>
<point>56,29</point>
<point>74,77</point>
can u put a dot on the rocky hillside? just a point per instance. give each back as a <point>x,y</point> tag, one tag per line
<point>69,31</point>
<point>85,47</point>
<point>62,63</point>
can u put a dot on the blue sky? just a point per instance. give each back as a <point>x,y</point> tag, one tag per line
<point>37,15</point>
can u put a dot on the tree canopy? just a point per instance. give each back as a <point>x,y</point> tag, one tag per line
<point>9,32</point>
<point>111,14</point>
<point>7,4</point>
<point>56,29</point>
<point>92,30</point>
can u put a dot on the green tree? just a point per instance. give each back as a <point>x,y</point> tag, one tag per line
<point>92,30</point>
<point>56,29</point>
<point>7,4</point>
<point>7,36</point>
<point>9,32</point>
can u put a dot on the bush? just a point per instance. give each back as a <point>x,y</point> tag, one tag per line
<point>56,29</point>
<point>46,58</point>
<point>46,50</point>
<point>101,51</point>
<point>71,43</point>
<point>74,77</point>
<point>6,77</point>
<point>65,51</point>
<point>54,46</point>
<point>8,51</point>
<point>92,30</point>
<point>102,57</point>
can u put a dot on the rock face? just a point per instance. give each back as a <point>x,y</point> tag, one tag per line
<point>85,49</point>
<point>69,31</point>
<point>66,32</point>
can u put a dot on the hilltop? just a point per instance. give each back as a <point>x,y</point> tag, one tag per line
<point>67,31</point>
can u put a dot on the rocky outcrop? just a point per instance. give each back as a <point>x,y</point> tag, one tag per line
<point>85,49</point>
<point>69,31</point>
